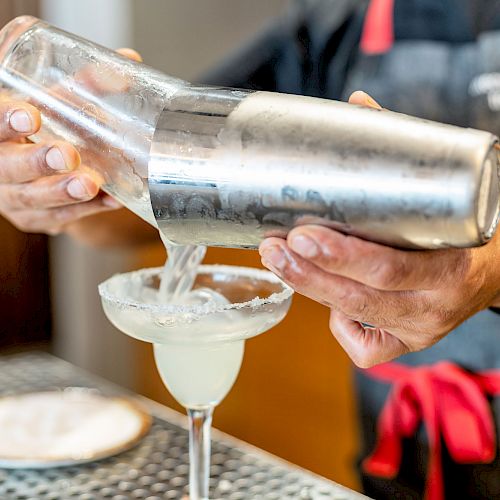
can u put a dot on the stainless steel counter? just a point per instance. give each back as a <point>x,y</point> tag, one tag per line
<point>158,467</point>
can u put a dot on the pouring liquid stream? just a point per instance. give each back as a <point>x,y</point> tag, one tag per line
<point>198,375</point>
<point>180,271</point>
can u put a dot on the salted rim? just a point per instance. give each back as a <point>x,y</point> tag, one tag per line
<point>209,308</point>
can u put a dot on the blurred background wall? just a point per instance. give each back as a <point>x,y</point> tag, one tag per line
<point>294,394</point>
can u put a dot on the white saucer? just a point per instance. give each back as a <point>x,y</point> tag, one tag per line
<point>55,429</point>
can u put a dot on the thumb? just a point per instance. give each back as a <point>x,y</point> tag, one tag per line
<point>363,99</point>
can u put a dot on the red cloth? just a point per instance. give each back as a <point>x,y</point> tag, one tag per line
<point>378,31</point>
<point>451,403</point>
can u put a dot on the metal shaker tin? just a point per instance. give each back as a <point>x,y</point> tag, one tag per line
<point>230,168</point>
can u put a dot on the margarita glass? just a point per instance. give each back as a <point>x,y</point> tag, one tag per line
<point>199,343</point>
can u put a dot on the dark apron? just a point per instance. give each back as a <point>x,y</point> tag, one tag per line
<point>445,66</point>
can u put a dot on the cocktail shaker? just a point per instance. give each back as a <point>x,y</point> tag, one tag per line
<point>228,167</point>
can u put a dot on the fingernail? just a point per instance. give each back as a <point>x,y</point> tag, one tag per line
<point>55,159</point>
<point>111,202</point>
<point>370,101</point>
<point>131,54</point>
<point>274,257</point>
<point>304,246</point>
<point>21,121</point>
<point>77,190</point>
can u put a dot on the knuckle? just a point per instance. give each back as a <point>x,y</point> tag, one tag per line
<point>294,273</point>
<point>330,258</point>
<point>336,253</point>
<point>19,164</point>
<point>22,198</point>
<point>388,274</point>
<point>353,303</point>
<point>38,163</point>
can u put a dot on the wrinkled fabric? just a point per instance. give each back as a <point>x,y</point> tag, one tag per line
<point>450,403</point>
<point>474,346</point>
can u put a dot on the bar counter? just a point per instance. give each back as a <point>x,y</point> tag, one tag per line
<point>157,468</point>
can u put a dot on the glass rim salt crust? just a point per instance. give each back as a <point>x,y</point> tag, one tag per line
<point>200,310</point>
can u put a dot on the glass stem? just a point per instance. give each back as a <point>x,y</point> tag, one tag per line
<point>200,422</point>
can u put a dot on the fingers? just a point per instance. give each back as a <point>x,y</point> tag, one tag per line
<point>130,54</point>
<point>403,321</point>
<point>48,192</point>
<point>53,221</point>
<point>377,266</point>
<point>363,99</point>
<point>25,162</point>
<point>385,309</point>
<point>309,280</point>
<point>18,119</point>
<point>365,346</point>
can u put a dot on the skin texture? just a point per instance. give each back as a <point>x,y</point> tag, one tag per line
<point>44,188</point>
<point>385,302</point>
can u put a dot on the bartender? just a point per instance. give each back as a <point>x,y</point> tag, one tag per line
<point>427,420</point>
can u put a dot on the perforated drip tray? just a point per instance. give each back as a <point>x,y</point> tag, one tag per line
<point>158,467</point>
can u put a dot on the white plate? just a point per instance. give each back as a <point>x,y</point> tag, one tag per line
<point>55,429</point>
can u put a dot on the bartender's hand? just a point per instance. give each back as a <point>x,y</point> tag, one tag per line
<point>411,298</point>
<point>43,187</point>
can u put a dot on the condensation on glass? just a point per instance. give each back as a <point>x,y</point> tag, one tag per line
<point>104,104</point>
<point>227,167</point>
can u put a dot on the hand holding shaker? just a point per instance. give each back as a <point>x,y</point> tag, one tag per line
<point>226,167</point>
